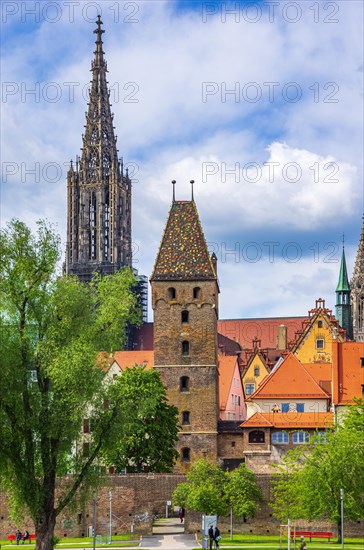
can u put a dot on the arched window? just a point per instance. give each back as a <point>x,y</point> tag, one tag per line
<point>184,383</point>
<point>186,454</point>
<point>172,293</point>
<point>184,316</point>
<point>186,417</point>
<point>196,293</point>
<point>185,348</point>
<point>256,371</point>
<point>256,436</point>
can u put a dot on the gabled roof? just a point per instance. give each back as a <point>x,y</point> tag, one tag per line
<point>227,365</point>
<point>322,373</point>
<point>127,359</point>
<point>290,379</point>
<point>289,420</point>
<point>183,253</point>
<point>308,325</point>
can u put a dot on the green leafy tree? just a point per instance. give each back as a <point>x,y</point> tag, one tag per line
<point>51,331</point>
<point>243,493</point>
<point>314,475</point>
<point>145,440</point>
<point>211,491</point>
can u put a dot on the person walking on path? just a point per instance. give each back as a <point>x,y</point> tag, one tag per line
<point>181,514</point>
<point>217,537</point>
<point>211,535</point>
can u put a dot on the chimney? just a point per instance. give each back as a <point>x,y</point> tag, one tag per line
<point>282,337</point>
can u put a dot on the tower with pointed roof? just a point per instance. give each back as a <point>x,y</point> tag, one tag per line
<point>185,303</point>
<point>99,192</point>
<point>357,292</point>
<point>343,306</point>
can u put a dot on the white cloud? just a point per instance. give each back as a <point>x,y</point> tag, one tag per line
<point>170,131</point>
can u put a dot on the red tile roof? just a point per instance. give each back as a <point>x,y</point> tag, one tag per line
<point>290,379</point>
<point>293,420</point>
<point>227,366</point>
<point>244,331</point>
<point>183,253</point>
<point>348,374</point>
<point>131,358</point>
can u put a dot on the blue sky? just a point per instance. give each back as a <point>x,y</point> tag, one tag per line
<point>260,104</point>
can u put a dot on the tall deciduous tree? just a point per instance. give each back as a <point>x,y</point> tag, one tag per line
<point>51,332</point>
<point>311,477</point>
<point>145,440</point>
<point>211,491</point>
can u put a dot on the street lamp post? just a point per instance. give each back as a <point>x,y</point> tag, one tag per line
<point>110,526</point>
<point>342,517</point>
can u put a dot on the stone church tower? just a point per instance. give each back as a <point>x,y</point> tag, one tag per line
<point>343,306</point>
<point>185,303</point>
<point>357,292</point>
<point>99,192</point>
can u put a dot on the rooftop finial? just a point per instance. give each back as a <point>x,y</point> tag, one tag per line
<point>192,182</point>
<point>343,240</point>
<point>174,195</point>
<point>99,31</point>
<point>99,57</point>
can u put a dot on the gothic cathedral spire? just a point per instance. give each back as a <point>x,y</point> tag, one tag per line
<point>357,291</point>
<point>99,193</point>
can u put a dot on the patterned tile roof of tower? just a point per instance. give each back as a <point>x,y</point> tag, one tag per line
<point>183,253</point>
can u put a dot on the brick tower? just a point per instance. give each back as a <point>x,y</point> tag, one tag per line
<point>99,192</point>
<point>185,303</point>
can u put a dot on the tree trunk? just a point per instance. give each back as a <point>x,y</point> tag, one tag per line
<point>339,533</point>
<point>44,530</point>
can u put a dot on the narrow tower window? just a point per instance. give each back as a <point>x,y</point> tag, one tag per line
<point>184,383</point>
<point>196,293</point>
<point>185,348</point>
<point>185,417</point>
<point>185,454</point>
<point>184,316</point>
<point>172,293</point>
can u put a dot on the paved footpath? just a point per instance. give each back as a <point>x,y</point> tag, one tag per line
<point>169,542</point>
<point>168,534</point>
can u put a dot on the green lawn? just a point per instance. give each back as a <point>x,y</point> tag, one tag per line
<point>266,542</point>
<point>85,542</point>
